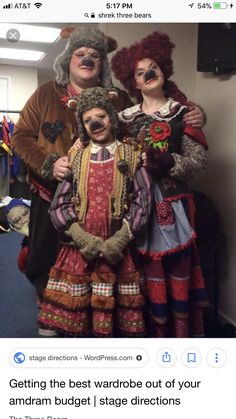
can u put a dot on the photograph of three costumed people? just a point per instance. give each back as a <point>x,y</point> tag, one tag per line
<point>112,243</point>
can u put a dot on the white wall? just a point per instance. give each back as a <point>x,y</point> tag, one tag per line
<point>217,95</point>
<point>23,82</point>
<point>45,75</point>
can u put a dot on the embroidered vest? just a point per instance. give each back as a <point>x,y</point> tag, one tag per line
<point>123,182</point>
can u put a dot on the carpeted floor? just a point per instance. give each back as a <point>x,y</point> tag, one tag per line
<point>18,311</point>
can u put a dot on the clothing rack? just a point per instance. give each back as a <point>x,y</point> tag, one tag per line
<point>5,180</point>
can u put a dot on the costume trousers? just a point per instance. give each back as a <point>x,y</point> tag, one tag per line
<point>43,243</point>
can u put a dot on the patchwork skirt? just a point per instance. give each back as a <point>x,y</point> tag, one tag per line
<point>93,299</point>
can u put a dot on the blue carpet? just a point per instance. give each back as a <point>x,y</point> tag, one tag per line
<point>18,310</point>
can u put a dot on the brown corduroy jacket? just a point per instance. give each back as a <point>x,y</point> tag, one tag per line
<point>47,126</point>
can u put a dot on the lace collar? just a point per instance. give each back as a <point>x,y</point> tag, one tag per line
<point>130,114</point>
<point>111,147</point>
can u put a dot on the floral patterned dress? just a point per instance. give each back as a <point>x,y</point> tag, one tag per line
<point>174,282</point>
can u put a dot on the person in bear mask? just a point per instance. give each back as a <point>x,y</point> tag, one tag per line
<point>172,153</point>
<point>94,287</point>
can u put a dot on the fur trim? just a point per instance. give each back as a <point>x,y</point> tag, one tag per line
<point>95,97</point>
<point>58,274</point>
<point>47,166</point>
<point>101,302</point>
<point>130,301</point>
<point>85,37</point>
<point>105,277</point>
<point>65,300</point>
<point>129,277</point>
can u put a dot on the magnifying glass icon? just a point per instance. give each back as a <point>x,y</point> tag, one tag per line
<point>86,15</point>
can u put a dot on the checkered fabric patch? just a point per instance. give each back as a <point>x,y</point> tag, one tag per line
<point>132,288</point>
<point>75,290</point>
<point>102,289</point>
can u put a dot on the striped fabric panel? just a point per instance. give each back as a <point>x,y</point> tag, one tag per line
<point>62,211</point>
<point>101,155</point>
<point>75,290</point>
<point>131,289</point>
<point>141,206</point>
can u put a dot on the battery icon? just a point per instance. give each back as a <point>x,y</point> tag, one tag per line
<point>220,5</point>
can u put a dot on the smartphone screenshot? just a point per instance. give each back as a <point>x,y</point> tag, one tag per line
<point>117,202</point>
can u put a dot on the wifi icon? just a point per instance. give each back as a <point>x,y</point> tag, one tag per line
<point>38,5</point>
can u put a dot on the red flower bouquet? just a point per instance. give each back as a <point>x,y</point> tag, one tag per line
<point>158,135</point>
<point>159,131</point>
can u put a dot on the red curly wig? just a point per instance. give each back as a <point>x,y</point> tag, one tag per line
<point>158,48</point>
